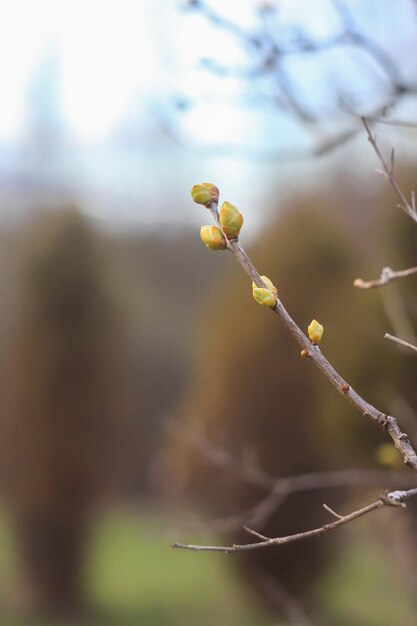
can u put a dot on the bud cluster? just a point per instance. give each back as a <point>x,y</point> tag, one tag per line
<point>229,217</point>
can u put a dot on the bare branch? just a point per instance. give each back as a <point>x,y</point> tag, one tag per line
<point>401,342</point>
<point>395,498</point>
<point>387,275</point>
<point>388,172</point>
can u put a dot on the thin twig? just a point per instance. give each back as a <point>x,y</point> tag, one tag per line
<point>274,541</point>
<point>387,275</point>
<point>388,172</point>
<point>256,534</point>
<point>395,498</point>
<point>401,342</point>
<point>336,515</point>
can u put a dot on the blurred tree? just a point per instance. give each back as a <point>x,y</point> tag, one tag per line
<point>65,431</point>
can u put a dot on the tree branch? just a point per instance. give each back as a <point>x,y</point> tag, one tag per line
<point>387,276</point>
<point>395,498</point>
<point>401,342</point>
<point>388,172</point>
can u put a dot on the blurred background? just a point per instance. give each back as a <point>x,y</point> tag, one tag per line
<point>144,397</point>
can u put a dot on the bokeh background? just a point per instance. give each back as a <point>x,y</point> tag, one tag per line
<point>144,397</point>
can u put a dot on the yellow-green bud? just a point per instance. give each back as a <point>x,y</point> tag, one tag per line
<point>213,237</point>
<point>231,220</point>
<point>205,193</point>
<point>264,296</point>
<point>269,284</point>
<point>388,455</point>
<point>315,331</point>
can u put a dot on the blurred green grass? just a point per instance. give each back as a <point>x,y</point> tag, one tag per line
<point>135,579</point>
<point>134,572</point>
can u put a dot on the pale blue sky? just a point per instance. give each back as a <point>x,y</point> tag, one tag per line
<point>103,74</point>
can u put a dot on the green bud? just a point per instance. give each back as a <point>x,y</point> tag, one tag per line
<point>205,194</point>
<point>231,220</point>
<point>269,284</point>
<point>264,296</point>
<point>213,237</point>
<point>315,331</point>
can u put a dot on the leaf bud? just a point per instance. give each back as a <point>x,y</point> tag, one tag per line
<point>231,220</point>
<point>268,283</point>
<point>315,332</point>
<point>205,193</point>
<point>264,296</point>
<point>213,237</point>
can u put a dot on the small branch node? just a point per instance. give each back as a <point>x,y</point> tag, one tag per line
<point>256,534</point>
<point>329,510</point>
<point>395,498</point>
<point>383,421</point>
